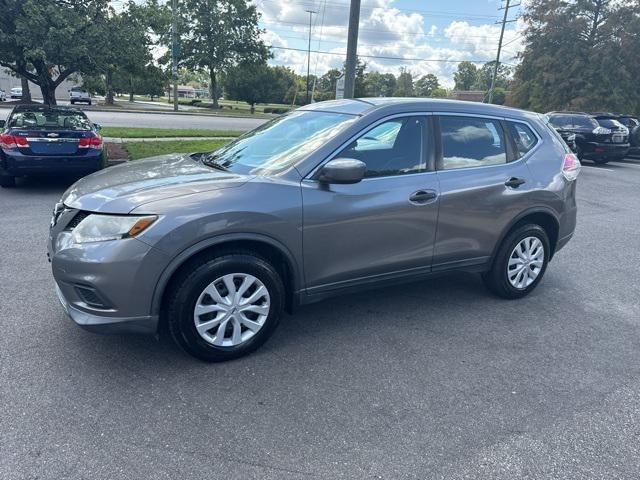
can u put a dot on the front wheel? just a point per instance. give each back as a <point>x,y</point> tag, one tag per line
<point>520,262</point>
<point>226,307</point>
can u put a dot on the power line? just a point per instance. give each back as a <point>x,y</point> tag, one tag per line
<point>383,57</point>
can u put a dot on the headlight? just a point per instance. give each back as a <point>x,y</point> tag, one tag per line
<point>99,228</point>
<point>601,131</point>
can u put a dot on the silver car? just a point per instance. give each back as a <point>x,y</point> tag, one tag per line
<point>334,197</point>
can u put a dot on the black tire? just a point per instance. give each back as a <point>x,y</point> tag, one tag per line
<point>601,161</point>
<point>187,288</point>
<point>497,280</point>
<point>72,102</point>
<point>7,181</point>
<point>89,102</point>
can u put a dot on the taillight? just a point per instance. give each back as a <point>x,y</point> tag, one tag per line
<point>94,141</point>
<point>571,167</point>
<point>12,141</point>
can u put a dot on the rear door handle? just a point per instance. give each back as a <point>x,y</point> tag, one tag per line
<point>422,196</point>
<point>514,182</point>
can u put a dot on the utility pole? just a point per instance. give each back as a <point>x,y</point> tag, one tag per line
<point>174,52</point>
<point>495,67</point>
<point>310,12</point>
<point>352,49</point>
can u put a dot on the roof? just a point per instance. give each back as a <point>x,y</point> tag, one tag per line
<point>361,106</point>
<point>37,107</point>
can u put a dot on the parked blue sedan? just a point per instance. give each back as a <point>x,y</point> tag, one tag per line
<point>41,139</point>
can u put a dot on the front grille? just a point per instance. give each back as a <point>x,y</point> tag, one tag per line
<point>75,221</point>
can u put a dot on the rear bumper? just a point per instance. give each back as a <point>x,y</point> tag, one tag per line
<point>101,324</point>
<point>604,150</point>
<point>18,164</point>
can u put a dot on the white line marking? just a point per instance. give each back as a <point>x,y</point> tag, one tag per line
<point>598,168</point>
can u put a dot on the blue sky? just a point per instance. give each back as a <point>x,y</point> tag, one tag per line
<point>428,36</point>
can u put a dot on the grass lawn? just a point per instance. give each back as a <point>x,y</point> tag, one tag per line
<point>149,149</point>
<point>141,132</point>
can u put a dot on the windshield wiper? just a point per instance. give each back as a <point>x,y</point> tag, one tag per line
<point>209,161</point>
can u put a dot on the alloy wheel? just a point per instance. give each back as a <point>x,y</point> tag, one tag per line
<point>231,309</point>
<point>525,262</point>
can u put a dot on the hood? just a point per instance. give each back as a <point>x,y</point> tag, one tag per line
<point>124,187</point>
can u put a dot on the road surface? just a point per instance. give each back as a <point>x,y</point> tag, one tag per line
<point>431,380</point>
<point>167,120</point>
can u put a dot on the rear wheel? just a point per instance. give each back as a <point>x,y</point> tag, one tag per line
<point>601,161</point>
<point>226,307</point>
<point>520,262</point>
<point>7,181</point>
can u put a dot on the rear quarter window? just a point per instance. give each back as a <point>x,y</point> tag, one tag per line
<point>523,138</point>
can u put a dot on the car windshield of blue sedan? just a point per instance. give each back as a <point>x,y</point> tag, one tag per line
<point>49,120</point>
<point>280,143</point>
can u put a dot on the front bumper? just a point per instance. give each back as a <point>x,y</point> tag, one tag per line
<point>105,286</point>
<point>100,324</point>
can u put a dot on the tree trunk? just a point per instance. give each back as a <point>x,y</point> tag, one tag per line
<point>48,89</point>
<point>253,108</point>
<point>131,88</point>
<point>214,87</point>
<point>26,91</point>
<point>109,85</point>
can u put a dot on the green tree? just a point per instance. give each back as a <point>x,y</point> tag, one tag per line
<point>439,93</point>
<point>379,84</point>
<point>46,41</point>
<point>326,85</point>
<point>485,74</point>
<point>579,55</point>
<point>426,85</point>
<point>219,34</point>
<point>404,84</point>
<point>466,75</point>
<point>249,82</point>
<point>359,87</point>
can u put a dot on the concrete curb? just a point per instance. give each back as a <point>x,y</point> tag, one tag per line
<point>262,116</point>
<point>160,139</point>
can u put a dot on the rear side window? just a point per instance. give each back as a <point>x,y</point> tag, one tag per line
<point>523,138</point>
<point>471,142</point>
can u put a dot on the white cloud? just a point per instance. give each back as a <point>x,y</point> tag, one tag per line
<point>385,31</point>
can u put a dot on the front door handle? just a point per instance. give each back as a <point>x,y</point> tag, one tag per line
<point>514,182</point>
<point>422,196</point>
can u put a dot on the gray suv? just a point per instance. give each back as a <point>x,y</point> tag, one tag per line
<point>334,197</point>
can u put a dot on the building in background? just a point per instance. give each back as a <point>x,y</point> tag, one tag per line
<point>8,81</point>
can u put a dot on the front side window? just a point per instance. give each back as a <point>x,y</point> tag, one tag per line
<point>279,143</point>
<point>523,138</point>
<point>471,142</point>
<point>394,147</point>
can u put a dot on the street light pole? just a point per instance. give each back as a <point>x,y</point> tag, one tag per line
<point>174,52</point>
<point>310,12</point>
<point>352,49</point>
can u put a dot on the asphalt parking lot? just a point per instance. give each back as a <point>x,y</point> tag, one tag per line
<point>436,379</point>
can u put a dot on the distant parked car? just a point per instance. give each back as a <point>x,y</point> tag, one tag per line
<point>16,93</point>
<point>40,139</point>
<point>3,96</point>
<point>589,138</point>
<point>78,95</point>
<point>633,124</point>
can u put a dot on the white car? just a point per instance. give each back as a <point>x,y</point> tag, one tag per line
<point>16,92</point>
<point>3,96</point>
<point>78,95</point>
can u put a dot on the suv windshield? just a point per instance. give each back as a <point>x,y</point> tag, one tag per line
<point>279,143</point>
<point>572,121</point>
<point>49,119</point>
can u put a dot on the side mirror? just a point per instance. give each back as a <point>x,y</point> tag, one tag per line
<point>343,171</point>
<point>98,126</point>
<point>3,123</point>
